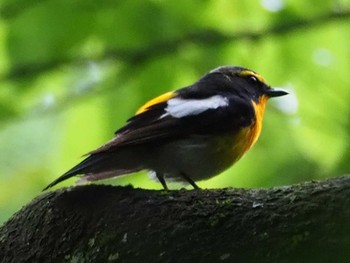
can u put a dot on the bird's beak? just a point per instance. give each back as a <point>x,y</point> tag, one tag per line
<point>275,92</point>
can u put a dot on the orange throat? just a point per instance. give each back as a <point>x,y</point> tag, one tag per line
<point>259,115</point>
<point>248,136</point>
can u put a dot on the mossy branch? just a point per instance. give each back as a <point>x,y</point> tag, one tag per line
<point>308,222</point>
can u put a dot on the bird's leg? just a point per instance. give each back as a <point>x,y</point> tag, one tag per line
<point>189,180</point>
<point>162,181</point>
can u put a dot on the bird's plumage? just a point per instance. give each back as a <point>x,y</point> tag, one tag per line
<point>211,123</point>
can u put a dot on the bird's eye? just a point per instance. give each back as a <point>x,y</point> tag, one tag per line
<point>253,79</point>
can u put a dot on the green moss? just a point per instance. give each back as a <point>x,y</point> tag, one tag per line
<point>113,257</point>
<point>215,219</point>
<point>224,202</point>
<point>91,242</point>
<point>296,239</point>
<point>77,258</point>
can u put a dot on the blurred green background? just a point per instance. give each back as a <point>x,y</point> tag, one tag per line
<point>72,72</point>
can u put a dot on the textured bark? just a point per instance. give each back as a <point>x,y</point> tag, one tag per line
<point>309,222</point>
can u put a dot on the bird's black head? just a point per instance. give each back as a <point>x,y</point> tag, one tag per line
<point>243,82</point>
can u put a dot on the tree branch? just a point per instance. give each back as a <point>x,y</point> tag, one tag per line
<point>307,222</point>
<point>207,37</point>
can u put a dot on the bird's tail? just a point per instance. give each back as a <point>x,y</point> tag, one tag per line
<point>100,166</point>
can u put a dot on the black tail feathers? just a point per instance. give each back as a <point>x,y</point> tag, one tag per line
<point>81,168</point>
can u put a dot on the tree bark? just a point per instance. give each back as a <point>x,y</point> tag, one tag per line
<point>308,222</point>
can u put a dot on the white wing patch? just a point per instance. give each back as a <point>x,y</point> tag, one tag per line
<point>179,108</point>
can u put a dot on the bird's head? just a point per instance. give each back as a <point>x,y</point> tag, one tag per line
<point>243,82</point>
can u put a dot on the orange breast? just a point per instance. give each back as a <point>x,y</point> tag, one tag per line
<point>248,136</point>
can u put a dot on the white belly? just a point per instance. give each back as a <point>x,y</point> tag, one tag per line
<point>199,157</point>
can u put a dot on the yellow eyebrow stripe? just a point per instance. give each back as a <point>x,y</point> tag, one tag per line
<point>159,99</point>
<point>248,73</point>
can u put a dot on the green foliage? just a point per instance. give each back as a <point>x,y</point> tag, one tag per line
<point>72,72</point>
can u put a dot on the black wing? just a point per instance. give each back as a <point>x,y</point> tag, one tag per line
<point>154,125</point>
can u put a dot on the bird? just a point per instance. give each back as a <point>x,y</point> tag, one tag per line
<point>187,135</point>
